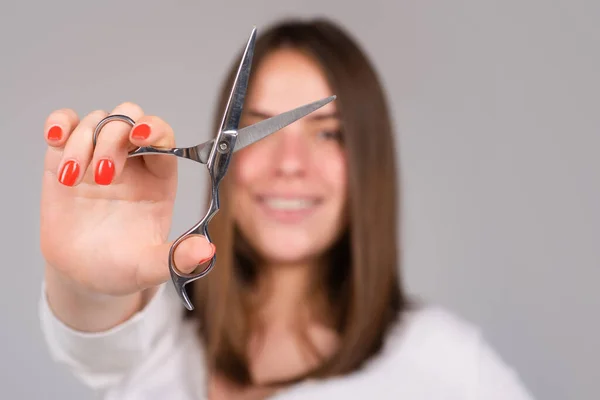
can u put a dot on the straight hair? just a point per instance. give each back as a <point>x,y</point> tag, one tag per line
<point>361,281</point>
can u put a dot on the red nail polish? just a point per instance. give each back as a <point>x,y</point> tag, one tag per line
<point>55,133</point>
<point>105,171</point>
<point>69,173</point>
<point>141,131</point>
<point>204,260</point>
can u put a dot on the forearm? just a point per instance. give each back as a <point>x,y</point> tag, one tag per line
<point>102,341</point>
<point>85,312</point>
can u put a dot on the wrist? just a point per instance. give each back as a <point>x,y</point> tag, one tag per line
<point>84,310</point>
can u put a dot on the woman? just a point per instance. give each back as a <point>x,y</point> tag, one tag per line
<point>305,300</point>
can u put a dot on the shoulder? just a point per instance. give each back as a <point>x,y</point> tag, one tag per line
<point>431,329</point>
<point>435,346</point>
<point>430,353</point>
<point>434,342</point>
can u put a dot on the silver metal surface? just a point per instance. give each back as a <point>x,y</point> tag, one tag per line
<point>217,167</point>
<point>193,153</point>
<point>253,133</point>
<point>216,154</point>
<point>235,104</point>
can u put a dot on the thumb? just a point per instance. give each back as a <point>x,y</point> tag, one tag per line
<point>192,251</point>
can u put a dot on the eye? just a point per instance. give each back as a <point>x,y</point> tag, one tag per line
<point>330,135</point>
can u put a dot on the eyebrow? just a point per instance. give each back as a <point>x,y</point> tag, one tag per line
<point>313,116</point>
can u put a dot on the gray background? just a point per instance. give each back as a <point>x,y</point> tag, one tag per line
<point>496,108</point>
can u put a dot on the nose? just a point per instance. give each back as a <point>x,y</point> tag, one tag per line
<point>291,154</point>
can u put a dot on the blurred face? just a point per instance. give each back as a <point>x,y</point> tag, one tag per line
<point>290,188</point>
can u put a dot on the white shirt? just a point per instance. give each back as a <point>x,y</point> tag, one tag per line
<point>156,355</point>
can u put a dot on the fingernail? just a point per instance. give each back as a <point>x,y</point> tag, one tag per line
<point>205,260</point>
<point>105,171</point>
<point>55,133</point>
<point>141,131</point>
<point>69,173</point>
<point>209,257</point>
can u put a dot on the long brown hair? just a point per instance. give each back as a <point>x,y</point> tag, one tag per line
<point>362,281</point>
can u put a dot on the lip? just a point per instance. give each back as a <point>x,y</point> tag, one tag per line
<point>288,208</point>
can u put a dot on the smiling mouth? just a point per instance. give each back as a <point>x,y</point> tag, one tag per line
<point>288,203</point>
<point>288,209</point>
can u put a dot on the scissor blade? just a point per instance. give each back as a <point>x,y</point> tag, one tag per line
<point>235,104</point>
<point>253,133</point>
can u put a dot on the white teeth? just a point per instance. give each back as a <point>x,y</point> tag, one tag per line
<point>289,204</point>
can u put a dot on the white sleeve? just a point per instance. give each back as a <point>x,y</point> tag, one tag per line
<point>495,379</point>
<point>106,361</point>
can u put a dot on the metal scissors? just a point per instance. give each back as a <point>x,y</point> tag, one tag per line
<point>216,155</point>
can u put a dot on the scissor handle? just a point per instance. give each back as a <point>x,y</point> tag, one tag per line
<point>218,162</point>
<point>181,279</point>
<point>137,151</point>
<point>110,118</point>
<point>193,153</point>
